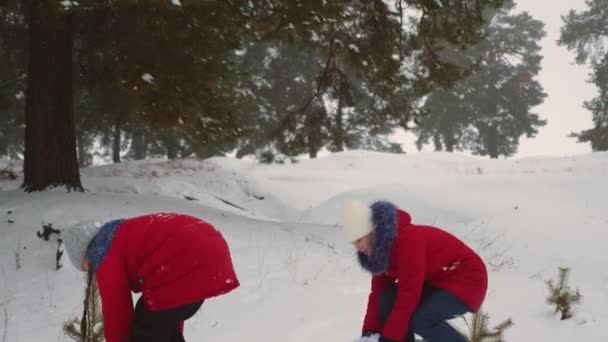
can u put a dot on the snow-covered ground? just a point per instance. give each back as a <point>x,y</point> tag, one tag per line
<point>300,281</point>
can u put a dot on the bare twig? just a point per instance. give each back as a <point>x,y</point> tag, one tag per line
<point>400,30</point>
<point>425,42</point>
<point>47,231</point>
<point>59,254</point>
<point>84,327</point>
<point>17,252</point>
<point>49,288</point>
<point>497,257</point>
<point>5,333</point>
<point>332,247</point>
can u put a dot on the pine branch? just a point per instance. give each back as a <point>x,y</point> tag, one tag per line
<point>90,327</point>
<point>561,296</point>
<point>72,329</point>
<point>323,81</point>
<point>479,331</point>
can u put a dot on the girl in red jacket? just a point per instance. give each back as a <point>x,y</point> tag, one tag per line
<point>175,261</point>
<point>422,276</point>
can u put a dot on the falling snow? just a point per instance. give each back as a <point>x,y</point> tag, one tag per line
<point>148,78</point>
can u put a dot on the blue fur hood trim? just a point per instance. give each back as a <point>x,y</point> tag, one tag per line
<point>384,219</point>
<point>101,244</point>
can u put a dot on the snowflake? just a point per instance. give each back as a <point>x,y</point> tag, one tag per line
<point>148,78</point>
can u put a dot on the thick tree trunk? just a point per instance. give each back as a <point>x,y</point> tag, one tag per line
<point>437,142</point>
<point>84,157</point>
<point>313,128</point>
<point>246,149</point>
<point>449,141</point>
<point>171,144</point>
<point>171,151</point>
<point>140,144</point>
<point>492,141</point>
<point>312,152</point>
<point>339,131</point>
<point>50,142</point>
<point>116,141</point>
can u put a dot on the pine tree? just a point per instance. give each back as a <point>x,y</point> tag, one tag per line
<point>490,110</point>
<point>479,331</point>
<point>13,38</point>
<point>561,296</point>
<point>443,123</point>
<point>372,62</point>
<point>50,141</point>
<point>90,327</point>
<point>585,33</point>
<point>187,82</point>
<point>165,67</point>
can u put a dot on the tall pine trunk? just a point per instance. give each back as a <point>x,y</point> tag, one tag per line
<point>171,144</point>
<point>50,142</point>
<point>339,131</point>
<point>140,144</point>
<point>116,141</point>
<point>313,131</point>
<point>492,141</point>
<point>449,140</point>
<point>437,142</point>
<point>171,151</point>
<point>312,152</point>
<point>84,157</point>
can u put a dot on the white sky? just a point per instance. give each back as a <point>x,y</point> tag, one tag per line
<point>563,81</point>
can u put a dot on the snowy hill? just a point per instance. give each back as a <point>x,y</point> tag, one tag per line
<point>299,278</point>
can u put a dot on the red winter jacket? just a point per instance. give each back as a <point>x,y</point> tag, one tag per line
<point>172,259</point>
<point>418,255</point>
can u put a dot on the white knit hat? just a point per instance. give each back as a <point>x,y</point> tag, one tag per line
<point>356,220</point>
<point>77,238</point>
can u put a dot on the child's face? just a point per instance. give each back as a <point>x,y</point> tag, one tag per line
<point>364,244</point>
<point>85,264</point>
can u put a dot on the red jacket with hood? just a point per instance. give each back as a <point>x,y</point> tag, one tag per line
<point>414,255</point>
<point>172,259</point>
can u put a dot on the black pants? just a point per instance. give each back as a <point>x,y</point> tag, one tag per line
<point>160,326</point>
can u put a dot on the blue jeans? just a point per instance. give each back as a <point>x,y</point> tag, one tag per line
<point>429,319</point>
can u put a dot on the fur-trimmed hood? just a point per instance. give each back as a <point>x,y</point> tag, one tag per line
<point>385,230</point>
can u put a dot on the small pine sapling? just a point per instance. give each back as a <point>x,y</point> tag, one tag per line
<point>90,326</point>
<point>479,331</point>
<point>561,296</point>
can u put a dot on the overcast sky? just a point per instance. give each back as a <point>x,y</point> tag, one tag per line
<point>563,81</point>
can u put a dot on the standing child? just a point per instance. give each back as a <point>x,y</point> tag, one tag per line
<point>422,275</point>
<point>176,261</point>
